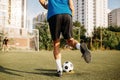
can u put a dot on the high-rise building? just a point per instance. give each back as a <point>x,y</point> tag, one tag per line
<point>101,11</point>
<point>42,17</point>
<point>17,13</point>
<point>39,19</point>
<point>13,13</point>
<point>77,10</point>
<point>114,17</point>
<point>91,13</point>
<point>3,13</point>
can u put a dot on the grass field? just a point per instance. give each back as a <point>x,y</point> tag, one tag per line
<point>105,65</point>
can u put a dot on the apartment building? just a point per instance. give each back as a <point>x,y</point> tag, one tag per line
<point>91,13</point>
<point>3,13</point>
<point>17,11</point>
<point>13,13</point>
<point>114,17</point>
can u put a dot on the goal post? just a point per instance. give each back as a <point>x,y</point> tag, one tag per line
<point>21,38</point>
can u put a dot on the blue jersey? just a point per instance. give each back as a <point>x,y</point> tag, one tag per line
<point>58,7</point>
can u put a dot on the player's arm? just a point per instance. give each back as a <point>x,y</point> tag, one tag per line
<point>43,3</point>
<point>71,5</point>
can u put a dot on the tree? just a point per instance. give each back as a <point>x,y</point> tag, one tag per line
<point>98,37</point>
<point>1,39</point>
<point>111,39</point>
<point>79,31</point>
<point>76,24</point>
<point>114,28</point>
<point>44,37</point>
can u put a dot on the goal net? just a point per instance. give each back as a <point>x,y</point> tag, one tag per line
<point>20,38</point>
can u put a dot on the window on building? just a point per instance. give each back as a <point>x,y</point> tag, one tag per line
<point>82,19</point>
<point>82,6</point>
<point>82,9</point>
<point>83,23</point>
<point>82,3</point>
<point>82,16</point>
<point>82,13</point>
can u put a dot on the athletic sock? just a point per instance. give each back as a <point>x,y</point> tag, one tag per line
<point>59,66</point>
<point>78,46</point>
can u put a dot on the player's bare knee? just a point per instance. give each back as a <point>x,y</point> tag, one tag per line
<point>70,42</point>
<point>56,42</point>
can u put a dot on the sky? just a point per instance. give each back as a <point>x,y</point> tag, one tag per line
<point>34,7</point>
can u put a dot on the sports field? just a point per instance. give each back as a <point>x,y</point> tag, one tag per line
<point>23,65</point>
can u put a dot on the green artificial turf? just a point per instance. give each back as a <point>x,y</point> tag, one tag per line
<point>41,65</point>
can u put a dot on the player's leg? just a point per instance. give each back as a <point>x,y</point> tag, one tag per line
<point>6,47</point>
<point>55,29</point>
<point>3,47</point>
<point>67,33</point>
<point>57,56</point>
<point>82,47</point>
<point>74,43</point>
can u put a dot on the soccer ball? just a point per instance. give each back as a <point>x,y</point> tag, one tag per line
<point>67,66</point>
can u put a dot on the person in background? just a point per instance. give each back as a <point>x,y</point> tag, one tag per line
<point>59,17</point>
<point>5,43</point>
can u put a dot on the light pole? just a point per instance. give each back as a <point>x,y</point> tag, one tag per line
<point>101,37</point>
<point>22,16</point>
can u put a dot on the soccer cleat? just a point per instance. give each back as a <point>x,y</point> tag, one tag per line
<point>59,73</point>
<point>85,53</point>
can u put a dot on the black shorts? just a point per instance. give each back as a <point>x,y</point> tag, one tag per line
<point>61,23</point>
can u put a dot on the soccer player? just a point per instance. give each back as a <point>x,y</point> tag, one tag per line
<point>5,44</point>
<point>59,17</point>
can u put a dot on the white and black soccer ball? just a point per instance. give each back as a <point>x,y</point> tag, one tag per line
<point>68,66</point>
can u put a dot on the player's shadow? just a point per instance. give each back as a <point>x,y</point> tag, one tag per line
<point>8,71</point>
<point>45,72</point>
